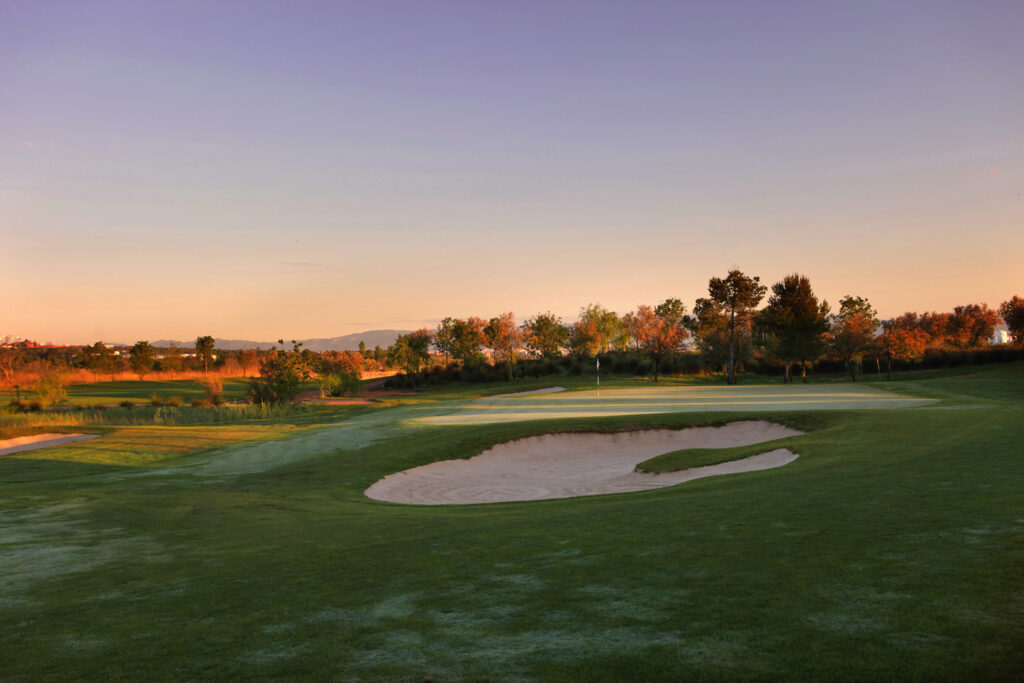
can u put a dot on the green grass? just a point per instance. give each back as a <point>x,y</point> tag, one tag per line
<point>891,549</point>
<point>112,393</point>
<point>699,457</point>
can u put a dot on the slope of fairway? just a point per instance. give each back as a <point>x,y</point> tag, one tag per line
<point>889,550</point>
<point>674,399</point>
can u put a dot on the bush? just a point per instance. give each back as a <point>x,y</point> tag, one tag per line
<point>201,403</point>
<point>127,405</point>
<point>174,401</point>
<point>214,389</point>
<point>340,383</point>
<point>156,400</point>
<point>52,386</point>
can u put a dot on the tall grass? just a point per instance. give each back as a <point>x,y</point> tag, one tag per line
<point>149,415</point>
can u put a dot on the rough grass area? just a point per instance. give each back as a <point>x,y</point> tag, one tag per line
<point>891,549</point>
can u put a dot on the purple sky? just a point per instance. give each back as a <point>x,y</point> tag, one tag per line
<point>299,169</point>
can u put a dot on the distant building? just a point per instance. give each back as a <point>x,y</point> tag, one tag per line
<point>1000,337</point>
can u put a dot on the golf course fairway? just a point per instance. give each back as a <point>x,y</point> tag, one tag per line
<point>891,547</point>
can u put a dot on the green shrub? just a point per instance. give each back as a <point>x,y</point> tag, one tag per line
<point>52,386</point>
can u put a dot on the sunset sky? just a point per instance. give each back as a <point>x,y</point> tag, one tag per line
<point>307,169</point>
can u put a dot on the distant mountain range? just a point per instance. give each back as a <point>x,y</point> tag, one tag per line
<point>348,342</point>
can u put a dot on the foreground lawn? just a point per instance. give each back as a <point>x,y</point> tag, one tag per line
<point>890,549</point>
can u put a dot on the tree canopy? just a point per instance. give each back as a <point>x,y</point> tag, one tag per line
<point>737,295</point>
<point>797,322</point>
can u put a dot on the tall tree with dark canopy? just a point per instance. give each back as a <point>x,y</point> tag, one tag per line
<point>411,351</point>
<point>797,321</point>
<point>710,328</point>
<point>444,338</point>
<point>1013,315</point>
<point>205,351</point>
<point>738,296</point>
<point>98,358</point>
<point>544,335</point>
<point>141,358</point>
<point>468,340</point>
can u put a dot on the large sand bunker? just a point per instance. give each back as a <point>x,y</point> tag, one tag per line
<point>577,464</point>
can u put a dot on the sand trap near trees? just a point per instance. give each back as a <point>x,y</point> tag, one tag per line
<point>30,443</point>
<point>577,464</point>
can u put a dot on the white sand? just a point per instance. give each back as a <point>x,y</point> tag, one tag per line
<point>576,464</point>
<point>548,390</point>
<point>30,443</point>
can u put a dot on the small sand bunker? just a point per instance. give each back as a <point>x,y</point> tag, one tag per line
<point>30,443</point>
<point>577,464</point>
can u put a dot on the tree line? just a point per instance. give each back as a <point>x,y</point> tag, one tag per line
<point>726,330</point>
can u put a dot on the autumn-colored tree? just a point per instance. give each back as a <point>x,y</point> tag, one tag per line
<point>971,326</point>
<point>1013,315</point>
<point>659,336</point>
<point>901,340</point>
<point>710,327</point>
<point>205,352</point>
<point>797,322</point>
<point>640,325</point>
<point>934,324</point>
<point>338,362</point>
<point>583,339</point>
<point>738,295</point>
<point>12,358</point>
<point>853,331</point>
<point>544,335</point>
<point>141,358</point>
<point>505,338</point>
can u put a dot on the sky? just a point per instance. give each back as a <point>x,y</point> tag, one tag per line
<point>265,170</point>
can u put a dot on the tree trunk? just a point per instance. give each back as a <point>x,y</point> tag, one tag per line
<point>888,368</point>
<point>730,375</point>
<point>853,369</point>
<point>655,368</point>
<point>785,378</point>
<point>803,371</point>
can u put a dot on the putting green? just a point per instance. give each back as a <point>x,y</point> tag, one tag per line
<point>610,402</point>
